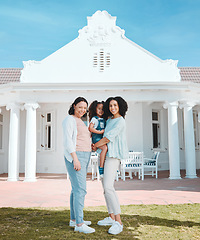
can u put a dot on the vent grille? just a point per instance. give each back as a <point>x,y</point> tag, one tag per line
<point>101,60</point>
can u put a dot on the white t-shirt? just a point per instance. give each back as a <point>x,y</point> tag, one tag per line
<point>95,122</point>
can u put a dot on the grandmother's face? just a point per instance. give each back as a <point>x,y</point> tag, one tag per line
<point>114,107</point>
<point>80,109</point>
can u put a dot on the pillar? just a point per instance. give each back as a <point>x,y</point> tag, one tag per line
<point>173,140</point>
<point>30,142</point>
<point>13,146</point>
<point>190,158</point>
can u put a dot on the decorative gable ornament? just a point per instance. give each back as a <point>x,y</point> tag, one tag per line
<point>101,54</point>
<point>101,26</point>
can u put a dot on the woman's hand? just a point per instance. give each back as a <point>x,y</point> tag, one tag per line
<point>77,165</point>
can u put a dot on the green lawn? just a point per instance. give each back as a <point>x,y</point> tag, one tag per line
<point>140,222</point>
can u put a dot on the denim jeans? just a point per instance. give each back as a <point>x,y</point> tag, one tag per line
<point>78,183</point>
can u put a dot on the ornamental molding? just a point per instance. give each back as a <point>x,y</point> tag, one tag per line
<point>170,104</point>
<point>32,106</point>
<point>187,104</point>
<point>99,37</point>
<point>101,26</point>
<point>27,65</point>
<point>171,62</point>
<point>30,63</point>
<point>14,106</point>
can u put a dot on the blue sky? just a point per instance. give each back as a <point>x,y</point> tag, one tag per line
<point>32,30</point>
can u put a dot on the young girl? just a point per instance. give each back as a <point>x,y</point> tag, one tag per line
<point>96,127</point>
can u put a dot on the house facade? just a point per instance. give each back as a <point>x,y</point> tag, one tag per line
<point>163,100</point>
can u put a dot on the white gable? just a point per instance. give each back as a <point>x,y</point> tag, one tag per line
<point>101,53</point>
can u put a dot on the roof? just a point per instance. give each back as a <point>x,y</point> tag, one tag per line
<point>188,74</point>
<point>8,75</point>
<point>191,74</point>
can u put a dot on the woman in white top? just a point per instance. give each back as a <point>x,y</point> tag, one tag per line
<point>115,138</point>
<point>77,151</point>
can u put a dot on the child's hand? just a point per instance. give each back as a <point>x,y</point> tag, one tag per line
<point>102,131</point>
<point>94,148</point>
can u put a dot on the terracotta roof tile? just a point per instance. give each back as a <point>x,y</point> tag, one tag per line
<point>7,75</point>
<point>190,74</point>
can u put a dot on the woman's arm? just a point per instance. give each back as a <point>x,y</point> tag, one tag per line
<point>77,165</point>
<point>68,131</point>
<point>100,143</point>
<point>92,129</point>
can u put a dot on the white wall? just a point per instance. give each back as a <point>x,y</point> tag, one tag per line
<point>198,159</point>
<point>134,123</point>
<point>163,163</point>
<point>22,141</point>
<point>53,161</point>
<point>181,138</point>
<point>4,152</point>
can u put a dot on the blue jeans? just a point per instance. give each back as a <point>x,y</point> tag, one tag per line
<point>78,183</point>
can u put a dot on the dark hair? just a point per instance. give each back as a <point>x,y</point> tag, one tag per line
<point>123,106</point>
<point>76,101</point>
<point>93,107</point>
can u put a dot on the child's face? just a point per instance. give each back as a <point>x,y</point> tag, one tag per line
<point>99,110</point>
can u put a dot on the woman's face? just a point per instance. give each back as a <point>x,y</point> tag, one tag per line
<point>114,107</point>
<point>99,110</point>
<point>80,109</point>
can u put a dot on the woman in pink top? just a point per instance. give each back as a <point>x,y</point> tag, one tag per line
<point>77,151</point>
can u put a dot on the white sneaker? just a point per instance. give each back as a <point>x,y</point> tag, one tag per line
<point>106,221</point>
<point>84,229</point>
<point>73,224</point>
<point>101,176</point>
<point>116,228</point>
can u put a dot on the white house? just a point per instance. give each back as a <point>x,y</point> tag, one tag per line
<point>164,101</point>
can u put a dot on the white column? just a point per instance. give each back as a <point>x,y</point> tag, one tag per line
<point>173,140</point>
<point>190,158</point>
<point>13,147</point>
<point>30,142</point>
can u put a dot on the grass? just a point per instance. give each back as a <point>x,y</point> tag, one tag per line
<point>140,222</point>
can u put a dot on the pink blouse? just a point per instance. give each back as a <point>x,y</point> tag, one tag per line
<point>83,141</point>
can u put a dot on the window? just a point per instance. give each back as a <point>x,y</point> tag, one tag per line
<point>46,131</point>
<point>1,131</point>
<point>156,129</point>
<point>196,130</point>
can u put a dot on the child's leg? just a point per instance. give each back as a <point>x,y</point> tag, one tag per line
<point>104,149</point>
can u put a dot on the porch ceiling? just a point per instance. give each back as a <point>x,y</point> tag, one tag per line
<point>133,92</point>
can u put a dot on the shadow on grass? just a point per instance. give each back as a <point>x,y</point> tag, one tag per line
<point>27,224</point>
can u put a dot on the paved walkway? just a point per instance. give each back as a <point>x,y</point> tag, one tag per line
<point>53,190</point>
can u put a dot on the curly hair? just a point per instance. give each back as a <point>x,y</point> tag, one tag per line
<point>123,106</point>
<point>92,109</point>
<point>76,101</point>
